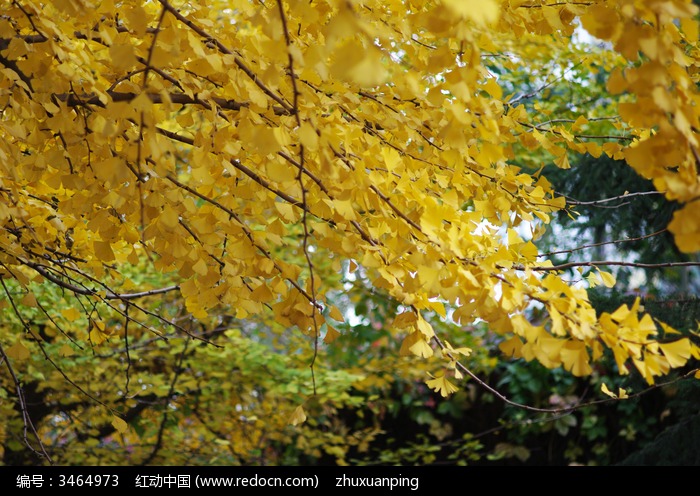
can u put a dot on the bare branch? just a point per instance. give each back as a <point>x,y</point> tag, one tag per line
<point>177,371</point>
<point>572,201</point>
<point>558,411</point>
<point>604,263</point>
<point>542,87</point>
<point>593,245</point>
<point>579,136</point>
<point>494,391</point>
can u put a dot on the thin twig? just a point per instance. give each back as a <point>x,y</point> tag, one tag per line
<point>26,418</point>
<point>604,263</point>
<point>572,201</point>
<point>566,410</point>
<point>593,245</point>
<point>166,401</point>
<point>302,186</point>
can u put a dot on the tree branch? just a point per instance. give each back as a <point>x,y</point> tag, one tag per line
<point>241,65</point>
<point>579,136</point>
<point>11,64</point>
<point>603,263</point>
<point>593,245</point>
<point>614,198</point>
<point>41,269</point>
<point>73,100</point>
<point>28,424</point>
<point>171,393</point>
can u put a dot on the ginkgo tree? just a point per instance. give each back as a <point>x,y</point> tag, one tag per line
<point>168,167</point>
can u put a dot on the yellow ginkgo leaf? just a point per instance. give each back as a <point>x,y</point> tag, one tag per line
<point>103,251</point>
<point>97,334</point>
<point>415,344</point>
<point>482,12</point>
<point>119,424</point>
<point>71,314</point>
<point>18,351</point>
<point>66,351</point>
<point>331,335</point>
<point>677,353</point>
<point>29,300</point>
<point>463,351</point>
<point>511,347</point>
<point>425,327</point>
<point>575,358</point>
<point>335,314</point>
<point>441,385</point>
<point>607,278</point>
<point>298,416</point>
<point>604,388</point>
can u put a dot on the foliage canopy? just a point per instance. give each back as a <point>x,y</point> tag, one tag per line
<point>184,184</point>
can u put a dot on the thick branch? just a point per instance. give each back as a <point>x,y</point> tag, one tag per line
<point>11,64</point>
<point>118,96</point>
